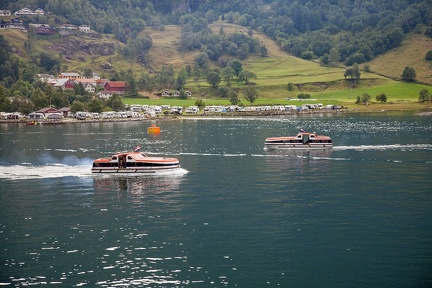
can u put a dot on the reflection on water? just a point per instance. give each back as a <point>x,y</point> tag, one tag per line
<point>138,184</point>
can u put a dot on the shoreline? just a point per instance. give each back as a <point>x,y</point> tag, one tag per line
<point>163,117</point>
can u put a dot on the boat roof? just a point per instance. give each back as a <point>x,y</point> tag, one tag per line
<point>316,136</point>
<point>136,156</point>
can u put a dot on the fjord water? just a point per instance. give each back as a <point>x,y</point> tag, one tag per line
<point>358,215</point>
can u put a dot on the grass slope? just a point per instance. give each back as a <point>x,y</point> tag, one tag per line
<point>411,54</point>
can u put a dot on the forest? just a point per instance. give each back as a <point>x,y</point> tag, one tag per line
<point>357,29</point>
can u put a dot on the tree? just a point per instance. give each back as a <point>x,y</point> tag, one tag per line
<point>202,60</point>
<point>290,86</point>
<point>88,73</point>
<point>263,51</point>
<point>181,79</point>
<point>4,101</point>
<point>408,74</point>
<point>39,99</point>
<point>227,74</point>
<point>424,96</point>
<point>250,93</point>
<point>237,66</point>
<point>95,105</point>
<point>365,98</point>
<point>213,78</point>
<point>200,103</point>
<point>115,103</point>
<point>429,55</point>
<point>246,76</point>
<point>353,72</point>
<point>334,56</point>
<point>381,98</point>
<point>233,97</point>
<point>77,106</point>
<point>304,96</point>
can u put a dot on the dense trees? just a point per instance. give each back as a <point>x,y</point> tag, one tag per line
<point>358,29</point>
<point>409,74</point>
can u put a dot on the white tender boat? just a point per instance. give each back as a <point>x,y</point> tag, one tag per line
<point>134,162</point>
<point>303,140</point>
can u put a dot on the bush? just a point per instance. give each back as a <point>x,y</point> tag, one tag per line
<point>303,96</point>
<point>429,55</point>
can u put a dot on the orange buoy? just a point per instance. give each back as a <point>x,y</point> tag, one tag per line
<point>153,129</point>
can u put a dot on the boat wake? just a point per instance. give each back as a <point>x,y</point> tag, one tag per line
<point>28,171</point>
<point>395,147</point>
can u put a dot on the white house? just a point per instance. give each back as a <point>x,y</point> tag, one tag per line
<point>105,94</point>
<point>5,13</point>
<point>84,28</point>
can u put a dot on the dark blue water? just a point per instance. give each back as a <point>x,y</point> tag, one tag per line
<point>236,216</point>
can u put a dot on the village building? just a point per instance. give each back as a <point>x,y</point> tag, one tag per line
<point>118,87</point>
<point>14,23</point>
<point>88,84</point>
<point>44,29</point>
<point>66,111</point>
<point>29,12</point>
<point>67,27</point>
<point>45,77</point>
<point>84,28</point>
<point>101,82</point>
<point>5,13</point>
<point>49,110</point>
<point>3,24</point>
<point>64,83</point>
<point>105,94</point>
<point>71,75</point>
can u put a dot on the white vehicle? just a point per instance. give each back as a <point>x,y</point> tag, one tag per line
<point>192,109</point>
<point>108,114</point>
<point>36,115</point>
<point>80,115</point>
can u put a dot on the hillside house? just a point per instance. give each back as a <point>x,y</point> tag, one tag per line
<point>44,77</point>
<point>105,94</point>
<point>90,87</point>
<point>118,87</point>
<point>5,13</point>
<point>84,28</point>
<point>166,93</point>
<point>67,27</point>
<point>88,84</point>
<point>15,23</point>
<point>29,12</point>
<point>71,75</point>
<point>101,82</point>
<point>64,84</point>
<point>44,29</point>
<point>39,11</point>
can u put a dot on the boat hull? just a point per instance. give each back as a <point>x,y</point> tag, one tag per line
<point>318,146</point>
<point>133,170</point>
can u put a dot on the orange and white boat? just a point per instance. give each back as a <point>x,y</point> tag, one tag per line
<point>303,140</point>
<point>134,162</point>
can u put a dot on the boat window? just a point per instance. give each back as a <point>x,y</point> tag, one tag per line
<point>129,157</point>
<point>114,158</point>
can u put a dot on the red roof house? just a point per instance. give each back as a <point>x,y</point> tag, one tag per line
<point>119,87</point>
